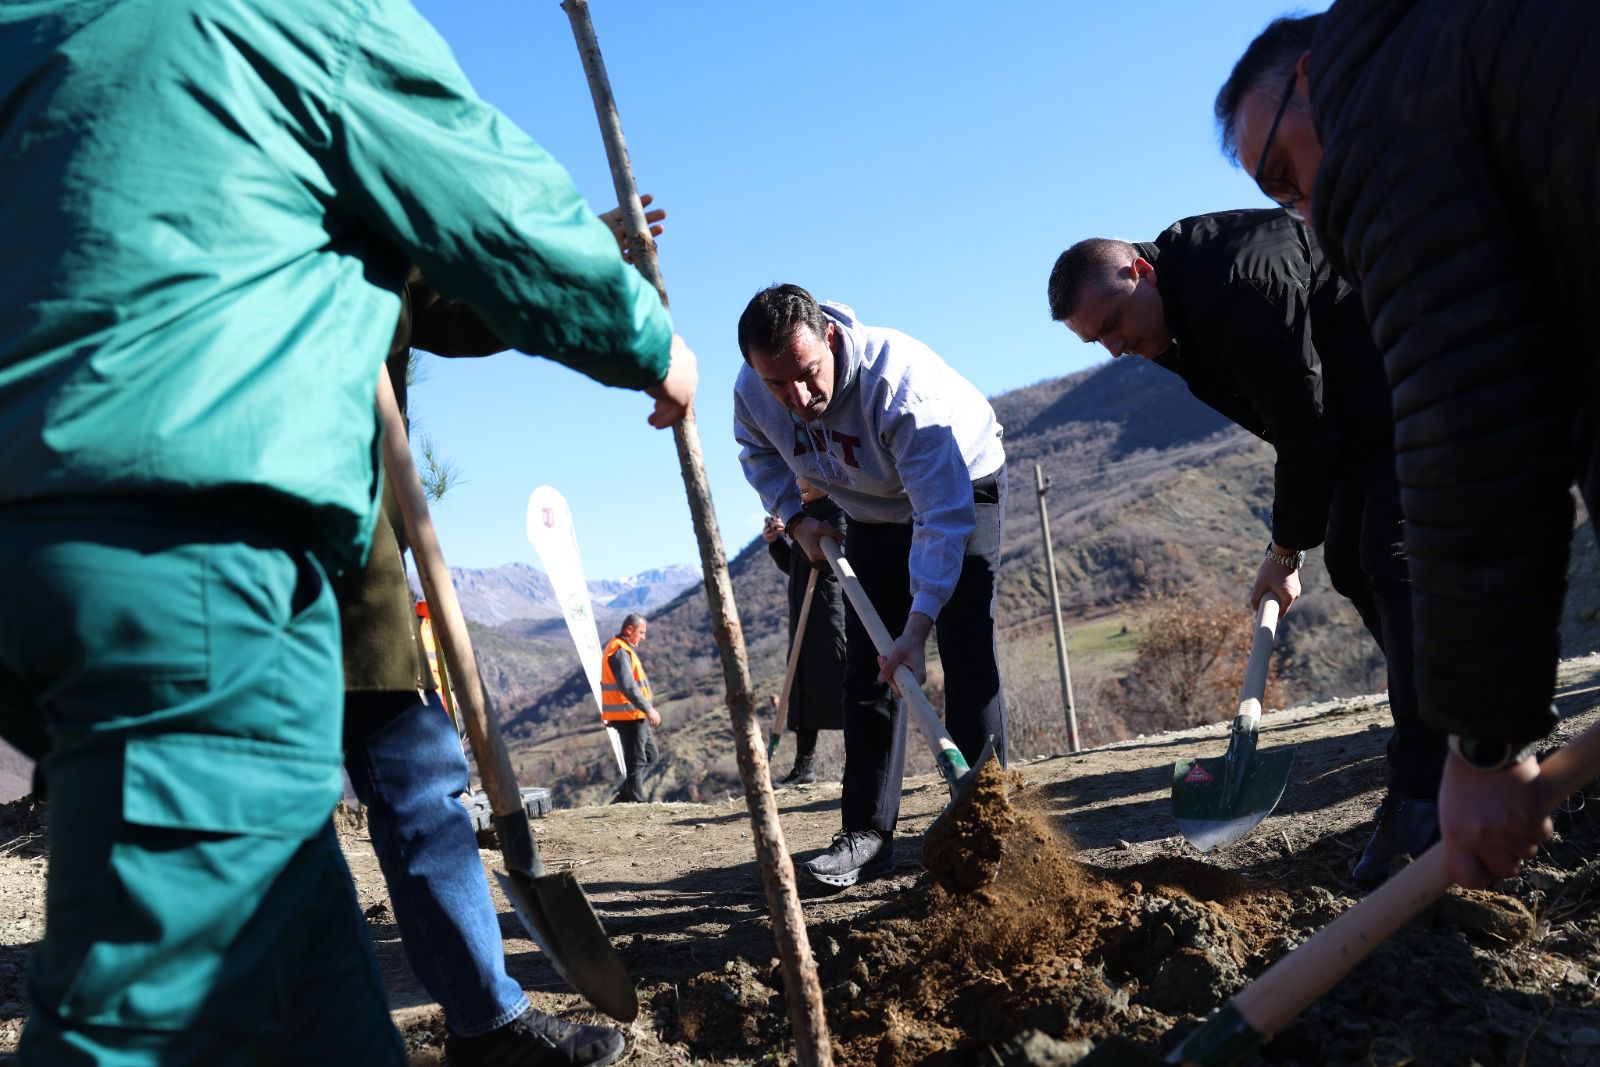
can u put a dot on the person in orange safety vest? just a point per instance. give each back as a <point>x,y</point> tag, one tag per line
<point>625,704</point>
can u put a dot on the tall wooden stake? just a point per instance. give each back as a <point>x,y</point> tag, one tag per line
<point>802,990</point>
<point>1043,485</point>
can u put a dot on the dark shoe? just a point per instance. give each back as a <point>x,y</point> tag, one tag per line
<point>535,1039</point>
<point>802,774</point>
<point>1406,826</point>
<point>854,854</point>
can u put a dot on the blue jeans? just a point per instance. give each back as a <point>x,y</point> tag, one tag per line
<point>405,763</point>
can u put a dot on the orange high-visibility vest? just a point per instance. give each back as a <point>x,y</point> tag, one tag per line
<point>614,703</point>
<point>431,650</point>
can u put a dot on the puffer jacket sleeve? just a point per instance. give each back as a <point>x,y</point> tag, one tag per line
<point>1412,198</point>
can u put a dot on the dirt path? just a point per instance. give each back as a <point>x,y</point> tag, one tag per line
<point>1142,939</point>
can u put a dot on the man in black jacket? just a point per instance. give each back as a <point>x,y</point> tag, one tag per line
<point>1243,308</point>
<point>1451,147</point>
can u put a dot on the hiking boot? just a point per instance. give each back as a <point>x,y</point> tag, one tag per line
<point>534,1039</point>
<point>854,854</point>
<point>802,774</point>
<point>1406,826</point>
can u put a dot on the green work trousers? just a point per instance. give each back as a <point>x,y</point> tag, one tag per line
<point>175,669</point>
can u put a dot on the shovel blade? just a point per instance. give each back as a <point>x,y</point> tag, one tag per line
<point>562,922</point>
<point>961,784</point>
<point>1212,811</point>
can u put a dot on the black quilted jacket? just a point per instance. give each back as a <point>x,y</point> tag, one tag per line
<point>1461,184</point>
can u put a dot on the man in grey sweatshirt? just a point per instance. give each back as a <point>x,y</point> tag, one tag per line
<point>912,452</point>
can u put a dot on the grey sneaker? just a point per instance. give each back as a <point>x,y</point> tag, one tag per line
<point>854,854</point>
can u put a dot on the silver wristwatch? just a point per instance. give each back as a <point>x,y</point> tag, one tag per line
<point>1290,562</point>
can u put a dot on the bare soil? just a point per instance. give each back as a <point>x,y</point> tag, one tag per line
<point>1053,906</point>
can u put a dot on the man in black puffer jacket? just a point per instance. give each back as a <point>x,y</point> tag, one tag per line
<point>1243,307</point>
<point>1448,152</point>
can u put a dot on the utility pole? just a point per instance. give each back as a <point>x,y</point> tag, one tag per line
<point>1043,485</point>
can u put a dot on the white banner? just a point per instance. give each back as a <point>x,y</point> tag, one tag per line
<point>551,533</point>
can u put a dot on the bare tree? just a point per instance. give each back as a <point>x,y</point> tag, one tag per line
<point>1192,649</point>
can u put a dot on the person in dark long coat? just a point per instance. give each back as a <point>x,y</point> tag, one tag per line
<point>816,701</point>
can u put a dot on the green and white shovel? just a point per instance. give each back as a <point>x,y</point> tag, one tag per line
<point>1219,799</point>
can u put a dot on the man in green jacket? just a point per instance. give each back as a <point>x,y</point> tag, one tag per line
<point>207,205</point>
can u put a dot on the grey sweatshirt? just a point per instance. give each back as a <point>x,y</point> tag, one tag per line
<point>902,440</point>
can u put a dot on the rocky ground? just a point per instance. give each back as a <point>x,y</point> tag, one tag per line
<point>1014,945</point>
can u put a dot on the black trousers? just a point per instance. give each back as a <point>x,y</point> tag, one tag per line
<point>1366,560</point>
<point>638,752</point>
<point>975,709</point>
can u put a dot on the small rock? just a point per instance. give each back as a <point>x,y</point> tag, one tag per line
<point>1034,1048</point>
<point>1494,915</point>
<point>377,912</point>
<point>1123,846</point>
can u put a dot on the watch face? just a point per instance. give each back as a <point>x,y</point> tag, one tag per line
<point>1484,752</point>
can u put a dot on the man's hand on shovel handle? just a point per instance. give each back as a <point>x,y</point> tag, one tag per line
<point>1491,820</point>
<point>808,534</point>
<point>1275,578</point>
<point>675,395</point>
<point>910,649</point>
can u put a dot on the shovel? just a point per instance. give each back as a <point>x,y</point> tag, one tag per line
<point>552,907</point>
<point>782,716</point>
<point>1219,799</point>
<point>1237,1029</point>
<point>957,775</point>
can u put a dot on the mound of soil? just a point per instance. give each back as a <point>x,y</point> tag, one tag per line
<point>1010,934</point>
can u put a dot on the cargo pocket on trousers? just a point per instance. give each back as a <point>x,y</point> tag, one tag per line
<point>205,901</point>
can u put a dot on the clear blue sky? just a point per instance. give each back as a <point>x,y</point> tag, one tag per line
<point>922,162</point>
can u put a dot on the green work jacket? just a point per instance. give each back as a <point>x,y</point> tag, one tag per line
<point>209,207</point>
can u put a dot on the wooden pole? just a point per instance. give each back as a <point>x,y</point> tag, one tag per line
<point>1043,485</point>
<point>802,989</point>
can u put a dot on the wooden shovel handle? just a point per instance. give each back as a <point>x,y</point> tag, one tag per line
<point>910,689</point>
<point>494,763</point>
<point>1255,672</point>
<point>1289,986</point>
<point>782,717</point>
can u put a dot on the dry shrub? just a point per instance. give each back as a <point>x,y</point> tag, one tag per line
<point>1192,650</point>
